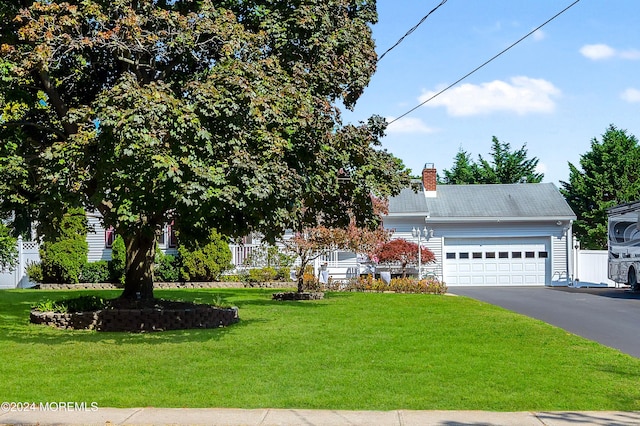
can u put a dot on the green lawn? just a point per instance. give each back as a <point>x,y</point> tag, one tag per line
<point>350,351</point>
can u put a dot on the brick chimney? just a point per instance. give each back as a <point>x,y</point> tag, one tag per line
<point>429,180</point>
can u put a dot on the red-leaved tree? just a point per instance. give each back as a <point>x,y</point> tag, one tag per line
<point>313,242</point>
<point>402,252</point>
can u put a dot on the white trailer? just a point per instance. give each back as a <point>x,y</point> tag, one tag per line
<point>624,244</point>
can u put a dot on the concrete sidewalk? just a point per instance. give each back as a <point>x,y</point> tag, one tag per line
<point>286,417</point>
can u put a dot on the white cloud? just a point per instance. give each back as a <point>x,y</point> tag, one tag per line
<point>539,35</point>
<point>631,95</point>
<point>598,52</point>
<point>521,95</point>
<point>632,54</point>
<point>408,125</point>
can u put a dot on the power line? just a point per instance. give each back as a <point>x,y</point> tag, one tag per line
<point>411,30</point>
<point>485,63</point>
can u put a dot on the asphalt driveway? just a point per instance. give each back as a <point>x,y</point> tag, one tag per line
<point>610,316</point>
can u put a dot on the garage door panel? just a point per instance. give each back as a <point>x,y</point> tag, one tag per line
<point>518,261</point>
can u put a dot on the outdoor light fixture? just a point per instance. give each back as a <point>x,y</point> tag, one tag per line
<point>418,233</point>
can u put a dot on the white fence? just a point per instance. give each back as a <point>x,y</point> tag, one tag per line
<point>591,269</point>
<point>16,277</point>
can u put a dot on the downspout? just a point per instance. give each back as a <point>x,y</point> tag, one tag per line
<point>572,259</point>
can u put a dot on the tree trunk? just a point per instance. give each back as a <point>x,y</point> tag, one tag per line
<point>300,276</point>
<point>141,251</point>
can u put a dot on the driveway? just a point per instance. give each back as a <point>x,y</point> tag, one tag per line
<point>610,316</point>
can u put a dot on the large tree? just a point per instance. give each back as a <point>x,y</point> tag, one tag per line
<point>609,175</point>
<point>504,166</point>
<point>207,113</point>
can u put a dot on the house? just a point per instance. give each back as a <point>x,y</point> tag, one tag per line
<point>504,235</point>
<point>518,234</point>
<point>100,239</point>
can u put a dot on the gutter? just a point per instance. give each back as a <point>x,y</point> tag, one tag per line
<point>482,219</point>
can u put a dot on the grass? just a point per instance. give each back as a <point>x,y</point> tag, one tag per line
<point>365,351</point>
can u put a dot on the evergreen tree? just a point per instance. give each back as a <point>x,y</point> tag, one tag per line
<point>504,166</point>
<point>609,175</point>
<point>464,170</point>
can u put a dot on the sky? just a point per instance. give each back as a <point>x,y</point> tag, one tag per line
<point>555,91</point>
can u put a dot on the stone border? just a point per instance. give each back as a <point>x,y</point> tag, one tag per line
<point>139,320</point>
<point>163,285</point>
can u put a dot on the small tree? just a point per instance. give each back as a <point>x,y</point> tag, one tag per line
<point>311,243</point>
<point>404,253</point>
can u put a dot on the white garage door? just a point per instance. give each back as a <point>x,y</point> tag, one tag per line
<point>488,262</point>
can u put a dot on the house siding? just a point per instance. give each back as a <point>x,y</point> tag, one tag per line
<point>561,270</point>
<point>96,241</point>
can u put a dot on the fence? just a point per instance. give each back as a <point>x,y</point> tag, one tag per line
<point>16,277</point>
<point>591,269</point>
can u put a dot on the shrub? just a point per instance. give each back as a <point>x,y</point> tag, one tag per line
<point>64,250</point>
<point>232,278</point>
<point>8,248</point>
<point>62,261</point>
<point>399,285</point>
<point>205,263</point>
<point>34,272</point>
<point>79,304</point>
<point>96,272</point>
<point>118,262</point>
<point>167,268</point>
<point>262,275</point>
<point>283,274</point>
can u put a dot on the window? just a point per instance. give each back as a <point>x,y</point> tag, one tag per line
<point>530,254</point>
<point>171,231</point>
<point>490,255</point>
<point>464,255</point>
<point>516,255</point>
<point>477,255</point>
<point>503,255</point>
<point>109,236</point>
<point>543,254</point>
<point>451,255</point>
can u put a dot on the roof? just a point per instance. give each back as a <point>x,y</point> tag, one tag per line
<point>523,201</point>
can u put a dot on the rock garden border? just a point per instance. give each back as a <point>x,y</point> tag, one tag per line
<point>140,320</point>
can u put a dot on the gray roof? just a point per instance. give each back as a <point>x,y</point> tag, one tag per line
<point>528,201</point>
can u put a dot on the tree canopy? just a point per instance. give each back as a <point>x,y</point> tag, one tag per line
<point>505,166</point>
<point>609,175</point>
<point>212,114</point>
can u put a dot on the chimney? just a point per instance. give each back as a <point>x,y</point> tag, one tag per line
<point>429,179</point>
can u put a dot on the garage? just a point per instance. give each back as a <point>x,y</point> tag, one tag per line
<point>488,262</point>
<point>487,234</point>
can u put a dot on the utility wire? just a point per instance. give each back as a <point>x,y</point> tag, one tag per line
<point>485,63</point>
<point>411,30</point>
